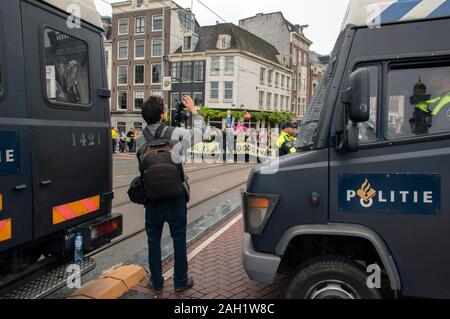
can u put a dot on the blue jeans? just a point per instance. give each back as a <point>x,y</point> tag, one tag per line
<point>173,212</point>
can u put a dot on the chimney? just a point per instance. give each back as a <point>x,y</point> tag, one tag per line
<point>259,14</point>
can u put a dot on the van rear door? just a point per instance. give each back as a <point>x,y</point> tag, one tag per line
<point>15,174</point>
<point>71,131</point>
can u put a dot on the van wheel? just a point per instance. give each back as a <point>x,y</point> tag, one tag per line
<point>331,278</point>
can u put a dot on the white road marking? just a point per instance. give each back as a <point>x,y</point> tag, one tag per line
<point>169,273</point>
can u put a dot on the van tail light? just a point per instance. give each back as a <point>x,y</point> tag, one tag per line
<point>257,211</point>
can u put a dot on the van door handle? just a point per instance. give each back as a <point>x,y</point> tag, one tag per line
<point>46,183</point>
<point>20,187</point>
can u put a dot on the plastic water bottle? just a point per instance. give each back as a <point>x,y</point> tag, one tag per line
<point>78,247</point>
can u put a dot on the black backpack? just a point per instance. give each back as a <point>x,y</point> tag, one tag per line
<point>161,177</point>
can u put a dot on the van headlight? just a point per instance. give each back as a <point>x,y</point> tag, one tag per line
<point>257,210</point>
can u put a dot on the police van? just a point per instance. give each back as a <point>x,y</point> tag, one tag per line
<point>361,211</point>
<point>55,138</point>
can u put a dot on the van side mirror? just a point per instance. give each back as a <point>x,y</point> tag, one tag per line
<point>357,96</point>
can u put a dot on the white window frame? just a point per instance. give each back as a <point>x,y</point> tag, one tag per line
<point>153,22</point>
<point>270,77</point>
<point>269,101</point>
<point>191,48</point>
<point>134,74</point>
<point>223,42</point>
<point>135,25</point>
<point>118,94</point>
<point>162,48</point>
<point>117,80</point>
<point>215,72</point>
<point>225,99</point>
<point>262,72</point>
<point>151,75</point>
<point>118,26</point>
<point>139,58</point>
<point>134,99</point>
<point>261,99</point>
<point>229,72</point>
<point>118,50</point>
<point>275,101</point>
<point>214,99</point>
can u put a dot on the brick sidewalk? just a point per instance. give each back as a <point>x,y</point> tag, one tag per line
<point>218,273</point>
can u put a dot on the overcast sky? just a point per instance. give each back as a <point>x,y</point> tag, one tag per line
<point>324,17</point>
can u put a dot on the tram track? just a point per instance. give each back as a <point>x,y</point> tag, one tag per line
<point>187,171</point>
<point>142,229</point>
<point>191,182</point>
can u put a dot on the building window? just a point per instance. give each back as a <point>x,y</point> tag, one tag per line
<point>156,73</point>
<point>228,91</point>
<point>270,77</point>
<point>139,77</point>
<point>122,100</point>
<point>287,103</point>
<point>139,25</point>
<point>215,64</point>
<point>198,99</point>
<point>198,71</point>
<point>214,90</point>
<point>139,49</point>
<point>277,79</point>
<point>122,127</point>
<point>157,23</point>
<point>122,50</point>
<point>138,100</point>
<point>282,81</point>
<point>269,101</point>
<point>175,99</point>
<point>262,75</point>
<point>229,64</point>
<point>123,26</point>
<point>122,75</point>
<point>187,71</point>
<point>66,68</point>
<point>294,56</point>
<point>261,99</point>
<point>224,41</point>
<point>176,72</point>
<point>137,126</point>
<point>187,43</point>
<point>157,45</point>
<point>288,83</point>
<point>139,3</point>
<point>275,101</point>
<point>281,102</point>
<point>155,93</point>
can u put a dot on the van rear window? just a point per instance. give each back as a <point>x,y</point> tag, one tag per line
<point>66,68</point>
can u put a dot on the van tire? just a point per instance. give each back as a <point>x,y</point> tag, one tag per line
<point>331,278</point>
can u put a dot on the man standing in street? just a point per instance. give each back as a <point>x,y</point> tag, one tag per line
<point>286,141</point>
<point>167,210</point>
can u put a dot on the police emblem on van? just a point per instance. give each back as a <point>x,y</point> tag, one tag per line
<point>390,193</point>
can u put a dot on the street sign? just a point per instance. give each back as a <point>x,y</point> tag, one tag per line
<point>167,83</point>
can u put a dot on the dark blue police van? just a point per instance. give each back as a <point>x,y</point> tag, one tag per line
<point>361,211</point>
<point>55,137</point>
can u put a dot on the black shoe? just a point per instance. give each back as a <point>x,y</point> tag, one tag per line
<point>154,290</point>
<point>189,284</point>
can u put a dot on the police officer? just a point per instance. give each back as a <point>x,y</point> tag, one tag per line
<point>286,141</point>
